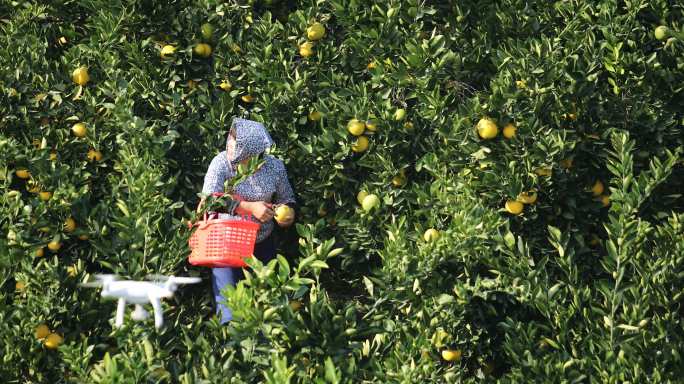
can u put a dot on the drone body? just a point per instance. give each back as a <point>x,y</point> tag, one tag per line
<point>139,293</point>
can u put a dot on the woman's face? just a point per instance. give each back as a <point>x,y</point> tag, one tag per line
<point>230,149</point>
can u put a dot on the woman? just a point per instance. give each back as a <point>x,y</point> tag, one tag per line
<point>269,184</point>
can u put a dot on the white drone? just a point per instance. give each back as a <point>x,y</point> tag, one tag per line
<point>139,293</point>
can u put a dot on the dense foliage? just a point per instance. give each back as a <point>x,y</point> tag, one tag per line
<point>559,251</point>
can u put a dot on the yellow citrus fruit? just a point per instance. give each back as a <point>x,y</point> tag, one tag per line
<point>283,213</point>
<point>39,252</point>
<point>487,128</point>
<point>19,285</point>
<point>83,237</point>
<point>408,126</point>
<point>42,331</point>
<point>529,197</point>
<point>604,199</point>
<point>400,114</point>
<point>54,246</point>
<point>53,341</point>
<point>451,354</point>
<point>315,32</point>
<point>23,173</point>
<point>45,229</point>
<point>360,144</point>
<point>597,188</point>
<point>514,207</point>
<point>661,32</point>
<point>80,76</point>
<point>167,50</point>
<point>521,84</point>
<point>226,85</point>
<point>72,271</point>
<point>369,202</point>
<point>79,129</point>
<point>306,49</point>
<point>371,65</point>
<point>247,98</point>
<point>70,224</point>
<point>53,156</point>
<point>94,155</point>
<point>45,195</point>
<point>202,50</point>
<point>360,196</point>
<point>371,126</point>
<point>356,127</point>
<point>543,171</point>
<point>295,305</point>
<point>566,163</point>
<point>315,116</point>
<point>398,181</point>
<point>509,131</point>
<point>431,235</point>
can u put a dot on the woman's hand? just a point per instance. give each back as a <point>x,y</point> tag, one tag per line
<point>260,209</point>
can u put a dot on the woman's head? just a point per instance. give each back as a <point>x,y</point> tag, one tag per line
<point>246,138</point>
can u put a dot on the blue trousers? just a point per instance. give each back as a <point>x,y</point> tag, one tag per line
<point>264,251</point>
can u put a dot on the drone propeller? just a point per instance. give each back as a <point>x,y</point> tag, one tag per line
<point>175,279</point>
<point>100,279</point>
<point>186,280</point>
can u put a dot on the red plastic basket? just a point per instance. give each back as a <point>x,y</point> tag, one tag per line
<point>222,242</point>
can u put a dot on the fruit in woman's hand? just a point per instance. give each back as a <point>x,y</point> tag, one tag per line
<point>509,131</point>
<point>369,202</point>
<point>42,331</point>
<point>487,128</point>
<point>315,32</point>
<point>79,129</point>
<point>360,145</point>
<point>356,127</point>
<point>53,341</point>
<point>202,50</point>
<point>451,354</point>
<point>514,207</point>
<point>597,188</point>
<point>80,76</point>
<point>167,51</point>
<point>283,214</point>
<point>529,197</point>
<point>431,235</point>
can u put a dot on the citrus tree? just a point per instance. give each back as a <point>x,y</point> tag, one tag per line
<point>487,190</point>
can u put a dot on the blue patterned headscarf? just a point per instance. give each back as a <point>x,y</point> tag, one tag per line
<point>251,138</point>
